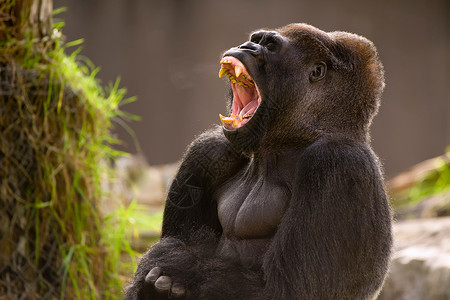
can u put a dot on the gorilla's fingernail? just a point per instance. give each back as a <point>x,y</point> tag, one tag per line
<point>153,275</point>
<point>178,290</point>
<point>163,283</point>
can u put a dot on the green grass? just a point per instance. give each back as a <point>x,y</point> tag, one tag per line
<point>99,261</point>
<point>434,183</point>
<point>59,119</point>
<point>434,180</point>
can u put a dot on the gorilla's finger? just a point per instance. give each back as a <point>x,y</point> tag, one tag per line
<point>153,275</point>
<point>163,284</point>
<point>178,290</point>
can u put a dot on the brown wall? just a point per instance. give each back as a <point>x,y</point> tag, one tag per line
<point>167,53</point>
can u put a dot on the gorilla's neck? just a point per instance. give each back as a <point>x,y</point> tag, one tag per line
<point>270,163</point>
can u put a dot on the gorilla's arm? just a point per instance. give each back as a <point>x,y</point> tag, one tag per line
<point>191,228</point>
<point>190,205</point>
<point>330,244</point>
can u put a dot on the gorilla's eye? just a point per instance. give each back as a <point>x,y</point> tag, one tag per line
<point>318,72</point>
<point>271,44</point>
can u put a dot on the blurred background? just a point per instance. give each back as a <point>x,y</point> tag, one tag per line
<point>167,54</point>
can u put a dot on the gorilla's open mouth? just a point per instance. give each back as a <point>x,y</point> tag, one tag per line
<point>246,97</point>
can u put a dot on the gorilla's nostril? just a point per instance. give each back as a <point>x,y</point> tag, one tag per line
<point>250,46</point>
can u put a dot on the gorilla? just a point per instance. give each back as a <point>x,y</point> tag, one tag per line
<point>286,199</point>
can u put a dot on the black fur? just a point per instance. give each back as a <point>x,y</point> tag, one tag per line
<point>292,205</point>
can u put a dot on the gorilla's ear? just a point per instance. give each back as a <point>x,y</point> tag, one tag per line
<point>318,71</point>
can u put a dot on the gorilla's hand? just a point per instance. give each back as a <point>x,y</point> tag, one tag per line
<point>164,284</point>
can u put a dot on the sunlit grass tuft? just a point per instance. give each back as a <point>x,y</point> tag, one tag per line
<point>55,147</point>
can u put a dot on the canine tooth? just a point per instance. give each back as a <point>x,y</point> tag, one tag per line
<point>238,71</point>
<point>222,72</point>
<point>225,120</point>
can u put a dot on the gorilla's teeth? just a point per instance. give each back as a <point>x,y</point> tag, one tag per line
<point>248,79</point>
<point>237,81</point>
<point>225,120</point>
<point>222,72</point>
<point>241,84</point>
<point>232,120</point>
<point>229,121</point>
<point>238,71</point>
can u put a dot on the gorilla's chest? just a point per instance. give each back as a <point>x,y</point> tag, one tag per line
<point>252,207</point>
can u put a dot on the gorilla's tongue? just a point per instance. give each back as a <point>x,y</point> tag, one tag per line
<point>245,101</point>
<point>246,97</point>
<point>249,109</point>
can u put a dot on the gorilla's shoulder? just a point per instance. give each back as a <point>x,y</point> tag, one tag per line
<point>214,135</point>
<point>210,143</point>
<point>340,153</point>
<point>212,156</point>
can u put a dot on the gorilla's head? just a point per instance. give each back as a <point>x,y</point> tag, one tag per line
<point>292,85</point>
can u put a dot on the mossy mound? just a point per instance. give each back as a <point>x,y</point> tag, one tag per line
<point>55,122</point>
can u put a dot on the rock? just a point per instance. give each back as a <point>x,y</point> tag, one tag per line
<point>152,188</point>
<point>430,207</point>
<point>423,191</point>
<point>420,267</point>
<point>147,184</point>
